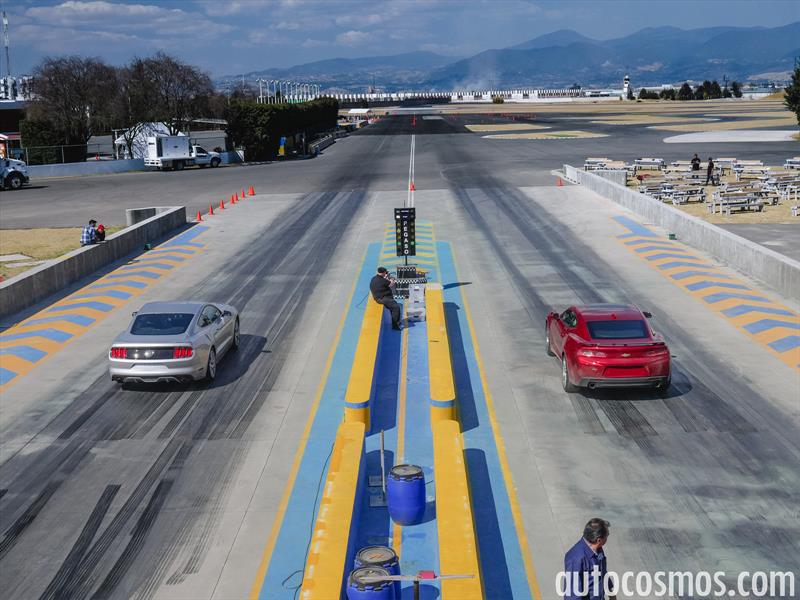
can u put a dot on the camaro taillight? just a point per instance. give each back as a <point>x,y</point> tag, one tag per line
<point>591,353</point>
<point>119,353</point>
<point>182,352</point>
<point>663,351</point>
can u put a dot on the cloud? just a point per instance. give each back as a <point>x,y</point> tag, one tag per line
<point>312,43</point>
<point>354,38</point>
<point>288,26</point>
<point>358,19</point>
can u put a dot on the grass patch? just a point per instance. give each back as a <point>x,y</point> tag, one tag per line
<point>39,244</point>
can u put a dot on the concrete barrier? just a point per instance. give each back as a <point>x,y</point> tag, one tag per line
<point>458,547</point>
<point>772,268</point>
<point>30,287</point>
<point>320,144</point>
<point>361,386</point>
<point>137,215</point>
<point>440,368</point>
<point>90,167</point>
<point>332,549</point>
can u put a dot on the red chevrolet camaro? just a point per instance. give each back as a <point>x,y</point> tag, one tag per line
<point>607,345</point>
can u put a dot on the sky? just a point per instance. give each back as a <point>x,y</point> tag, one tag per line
<point>237,36</point>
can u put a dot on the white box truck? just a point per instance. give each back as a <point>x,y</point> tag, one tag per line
<point>176,152</point>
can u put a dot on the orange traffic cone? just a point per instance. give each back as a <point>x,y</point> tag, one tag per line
<point>412,187</point>
<point>243,194</point>
<point>233,199</point>
<point>222,204</point>
<point>199,216</point>
<point>559,183</point>
<point>236,195</point>
<point>252,191</point>
<point>210,210</point>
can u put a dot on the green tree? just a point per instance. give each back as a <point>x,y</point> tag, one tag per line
<point>685,93</point>
<point>630,93</point>
<point>736,89</point>
<point>792,92</point>
<point>667,94</point>
<point>699,94</point>
<point>714,91</point>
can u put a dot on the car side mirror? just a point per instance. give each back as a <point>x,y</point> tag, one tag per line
<point>647,315</point>
<point>134,313</point>
<point>227,313</point>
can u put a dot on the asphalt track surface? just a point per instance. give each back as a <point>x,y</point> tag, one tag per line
<point>703,478</point>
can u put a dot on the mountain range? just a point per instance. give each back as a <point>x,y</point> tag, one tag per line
<point>650,56</point>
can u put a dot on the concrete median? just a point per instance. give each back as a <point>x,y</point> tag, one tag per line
<point>776,270</point>
<point>360,392</point>
<point>26,289</point>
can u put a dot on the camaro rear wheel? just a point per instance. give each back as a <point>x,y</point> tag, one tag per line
<point>565,382</point>
<point>547,347</point>
<point>211,367</point>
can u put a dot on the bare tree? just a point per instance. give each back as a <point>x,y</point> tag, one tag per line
<point>180,91</point>
<point>133,108</point>
<point>72,94</point>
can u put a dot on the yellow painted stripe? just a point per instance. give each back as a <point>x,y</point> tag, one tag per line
<point>326,563</point>
<point>362,373</point>
<point>397,534</point>
<point>43,344</point>
<point>64,326</point>
<point>16,364</point>
<point>255,590</point>
<point>440,368</point>
<point>501,452</point>
<point>455,523</point>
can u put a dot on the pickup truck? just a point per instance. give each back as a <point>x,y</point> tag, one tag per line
<point>169,152</point>
<point>13,174</point>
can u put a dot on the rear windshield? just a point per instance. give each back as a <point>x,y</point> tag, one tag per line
<point>161,323</point>
<point>617,330</point>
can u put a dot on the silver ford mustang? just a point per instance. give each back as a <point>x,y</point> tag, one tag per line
<point>174,341</point>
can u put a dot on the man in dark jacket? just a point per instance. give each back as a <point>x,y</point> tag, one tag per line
<point>585,564</point>
<point>710,171</point>
<point>380,287</point>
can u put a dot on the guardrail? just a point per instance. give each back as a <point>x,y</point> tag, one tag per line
<point>30,287</point>
<point>320,144</point>
<point>361,387</point>
<point>776,270</point>
<point>332,549</point>
<point>440,368</point>
<point>458,547</point>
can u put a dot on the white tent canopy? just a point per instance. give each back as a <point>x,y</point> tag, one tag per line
<point>145,130</point>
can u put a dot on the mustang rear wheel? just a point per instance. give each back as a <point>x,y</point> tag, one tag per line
<point>211,367</point>
<point>565,382</point>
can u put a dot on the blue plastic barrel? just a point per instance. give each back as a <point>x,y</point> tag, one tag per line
<point>361,587</point>
<point>380,556</point>
<point>405,493</point>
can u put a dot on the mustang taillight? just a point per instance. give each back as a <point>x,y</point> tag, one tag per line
<point>119,353</point>
<point>182,352</point>
<point>591,353</point>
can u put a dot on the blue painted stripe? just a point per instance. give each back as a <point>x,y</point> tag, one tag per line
<point>634,227</point>
<point>6,376</point>
<point>701,285</point>
<point>289,555</point>
<point>149,265</point>
<point>185,238</point>
<point>93,305</point>
<point>671,255</point>
<point>719,297</point>
<point>685,274</point>
<point>767,324</point>
<point>28,353</point>
<point>81,320</point>
<point>443,403</point>
<point>128,283</point>
<point>173,251</point>
<point>790,342</point>
<point>55,335</point>
<point>498,543</point>
<point>148,274</point>
<point>148,257</point>
<point>651,248</point>
<point>364,404</point>
<point>677,263</point>
<point>743,309</point>
<point>119,294</point>
<point>649,241</point>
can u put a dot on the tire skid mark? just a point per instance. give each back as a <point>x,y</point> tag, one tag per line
<point>17,528</point>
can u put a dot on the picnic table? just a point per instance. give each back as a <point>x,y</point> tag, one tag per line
<point>792,163</point>
<point>685,193</point>
<point>649,163</point>
<point>737,201</point>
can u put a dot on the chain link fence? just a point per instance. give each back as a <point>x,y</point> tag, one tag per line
<point>55,155</point>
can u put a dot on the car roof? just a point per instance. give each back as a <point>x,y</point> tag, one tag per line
<point>604,311</point>
<point>172,307</point>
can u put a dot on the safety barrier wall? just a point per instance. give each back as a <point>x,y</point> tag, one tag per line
<point>90,167</point>
<point>30,287</point>
<point>440,368</point>
<point>332,549</point>
<point>776,270</point>
<point>458,547</point>
<point>361,386</point>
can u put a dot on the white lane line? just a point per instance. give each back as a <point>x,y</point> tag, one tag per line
<point>412,152</point>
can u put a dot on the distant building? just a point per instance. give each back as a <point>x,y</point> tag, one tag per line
<point>626,86</point>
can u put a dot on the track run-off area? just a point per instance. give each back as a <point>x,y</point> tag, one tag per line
<point>259,485</point>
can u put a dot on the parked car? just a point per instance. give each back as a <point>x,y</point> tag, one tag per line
<point>174,341</point>
<point>607,345</point>
<point>13,174</point>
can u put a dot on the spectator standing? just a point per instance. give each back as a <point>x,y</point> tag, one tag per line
<point>585,563</point>
<point>710,171</point>
<point>381,288</point>
<point>695,163</point>
<point>89,234</point>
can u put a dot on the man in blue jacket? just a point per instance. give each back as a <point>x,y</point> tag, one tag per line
<point>585,564</point>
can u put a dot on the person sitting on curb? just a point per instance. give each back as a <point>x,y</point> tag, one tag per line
<point>100,232</point>
<point>89,234</point>
<point>381,288</point>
